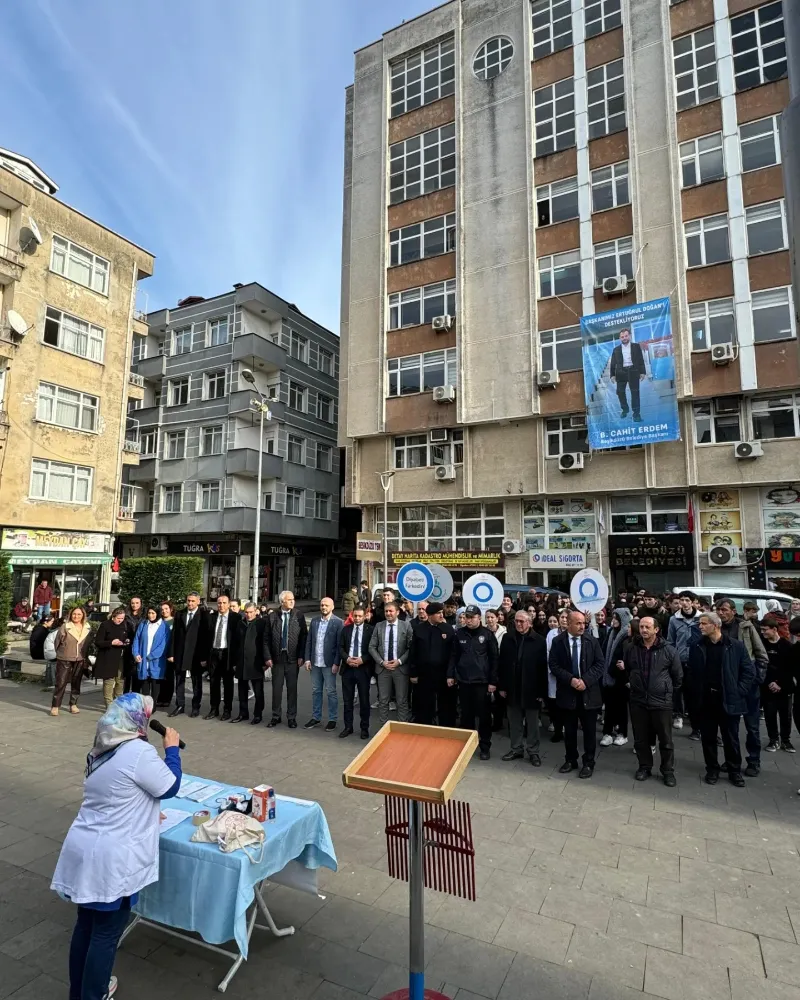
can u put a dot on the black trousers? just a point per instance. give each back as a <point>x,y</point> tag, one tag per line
<point>498,712</point>
<point>167,687</point>
<point>180,688</point>
<point>475,704</point>
<point>555,717</point>
<point>355,679</point>
<point>284,669</point>
<point>258,702</point>
<point>221,676</point>
<point>588,721</point>
<point>433,701</point>
<point>777,707</point>
<point>152,687</point>
<point>649,723</point>
<point>616,714</point>
<point>628,377</point>
<point>714,719</point>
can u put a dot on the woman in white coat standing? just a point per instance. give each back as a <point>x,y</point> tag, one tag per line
<point>111,850</point>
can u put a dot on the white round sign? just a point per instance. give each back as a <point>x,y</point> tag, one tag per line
<point>484,590</point>
<point>588,591</point>
<point>442,583</point>
<point>414,581</point>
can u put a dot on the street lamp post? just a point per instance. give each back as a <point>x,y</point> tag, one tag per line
<point>261,406</point>
<point>386,481</point>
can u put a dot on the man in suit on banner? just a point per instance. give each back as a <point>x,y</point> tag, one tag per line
<point>627,370</point>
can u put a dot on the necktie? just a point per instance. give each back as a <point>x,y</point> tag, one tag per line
<point>391,642</point>
<point>285,630</point>
<point>576,670</point>
<point>218,636</point>
<point>189,616</point>
<point>354,652</point>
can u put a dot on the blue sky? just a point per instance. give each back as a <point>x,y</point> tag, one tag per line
<point>208,131</point>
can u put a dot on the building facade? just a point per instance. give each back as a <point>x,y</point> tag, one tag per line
<point>502,159</point>
<point>67,316</point>
<point>195,489</point>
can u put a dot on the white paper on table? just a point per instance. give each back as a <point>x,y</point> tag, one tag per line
<point>206,792</point>
<point>172,817</point>
<point>191,789</point>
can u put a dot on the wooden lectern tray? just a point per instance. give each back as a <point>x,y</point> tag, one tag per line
<point>412,761</point>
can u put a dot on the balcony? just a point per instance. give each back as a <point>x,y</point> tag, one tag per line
<point>140,326</point>
<point>258,353</point>
<point>152,369</point>
<point>244,462</point>
<point>244,519</point>
<point>135,386</point>
<point>126,521</point>
<point>147,415</point>
<point>131,448</point>
<point>11,266</point>
<point>142,472</point>
<point>239,402</point>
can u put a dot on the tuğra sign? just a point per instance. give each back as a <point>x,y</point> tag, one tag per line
<point>199,548</point>
<point>671,550</point>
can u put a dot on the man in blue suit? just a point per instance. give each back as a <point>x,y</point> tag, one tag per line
<point>323,656</point>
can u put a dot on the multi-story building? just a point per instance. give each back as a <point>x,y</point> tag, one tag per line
<point>501,161</point>
<point>67,317</point>
<point>195,490</point>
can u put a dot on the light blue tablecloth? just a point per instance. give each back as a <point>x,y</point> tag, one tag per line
<point>201,889</point>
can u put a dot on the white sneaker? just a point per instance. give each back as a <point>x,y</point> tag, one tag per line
<point>620,741</point>
<point>652,748</point>
<point>607,740</point>
<point>112,987</point>
<point>677,722</point>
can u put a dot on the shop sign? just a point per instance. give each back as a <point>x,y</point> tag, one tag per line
<point>668,551</point>
<point>273,549</point>
<point>782,558</point>
<point>369,546</point>
<point>198,548</point>
<point>557,558</point>
<point>451,560</point>
<point>46,539</point>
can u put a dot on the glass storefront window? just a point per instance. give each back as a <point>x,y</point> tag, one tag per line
<point>654,513</point>
<point>465,527</point>
<point>303,579</point>
<point>559,523</point>
<point>80,583</point>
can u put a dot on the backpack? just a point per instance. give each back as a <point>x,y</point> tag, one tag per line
<point>50,644</point>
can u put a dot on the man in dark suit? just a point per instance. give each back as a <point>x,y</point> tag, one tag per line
<point>627,369</point>
<point>189,651</point>
<point>323,656</point>
<point>576,662</point>
<point>251,666</point>
<point>390,648</point>
<point>224,636</point>
<point>284,651</point>
<point>356,671</point>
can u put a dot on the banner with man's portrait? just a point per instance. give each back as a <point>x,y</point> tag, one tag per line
<point>629,376</point>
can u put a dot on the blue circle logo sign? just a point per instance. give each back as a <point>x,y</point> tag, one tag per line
<point>415,581</point>
<point>588,589</point>
<point>483,592</point>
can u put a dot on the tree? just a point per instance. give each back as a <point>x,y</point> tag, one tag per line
<point>160,578</point>
<point>5,600</point>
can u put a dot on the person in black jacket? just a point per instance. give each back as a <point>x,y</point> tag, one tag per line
<point>653,671</point>
<point>576,662</point>
<point>285,651</point>
<point>189,651</point>
<point>776,692</point>
<point>111,641</point>
<point>433,646</point>
<point>473,665</point>
<point>356,671</point>
<point>38,635</point>
<point>251,664</point>
<point>133,618</point>
<point>627,369</point>
<point>523,683</point>
<point>224,638</point>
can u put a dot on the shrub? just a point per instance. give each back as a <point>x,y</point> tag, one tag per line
<point>158,578</point>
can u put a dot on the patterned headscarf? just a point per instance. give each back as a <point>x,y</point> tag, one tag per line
<point>125,719</point>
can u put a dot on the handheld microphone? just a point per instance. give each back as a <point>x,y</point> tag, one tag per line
<point>156,726</point>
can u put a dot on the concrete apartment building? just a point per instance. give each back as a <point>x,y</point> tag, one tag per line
<point>502,158</point>
<point>67,318</point>
<point>195,489</point>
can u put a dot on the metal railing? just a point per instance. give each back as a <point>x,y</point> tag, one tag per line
<point>136,379</point>
<point>126,514</point>
<point>132,444</point>
<point>140,314</point>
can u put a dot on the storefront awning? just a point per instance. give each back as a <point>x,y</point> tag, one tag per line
<point>34,558</point>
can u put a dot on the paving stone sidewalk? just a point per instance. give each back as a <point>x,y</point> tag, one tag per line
<point>587,890</point>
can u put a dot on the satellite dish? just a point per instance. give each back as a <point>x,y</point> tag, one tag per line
<point>34,230</point>
<point>17,323</point>
<point>30,237</point>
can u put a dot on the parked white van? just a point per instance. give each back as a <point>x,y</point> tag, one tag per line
<point>739,596</point>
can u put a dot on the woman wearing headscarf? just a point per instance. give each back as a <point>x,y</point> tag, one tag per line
<point>72,644</point>
<point>150,649</point>
<point>111,851</point>
<point>558,624</point>
<point>111,640</point>
<point>615,685</point>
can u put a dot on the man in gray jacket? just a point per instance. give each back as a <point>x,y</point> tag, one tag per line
<point>683,632</point>
<point>390,648</point>
<point>744,629</point>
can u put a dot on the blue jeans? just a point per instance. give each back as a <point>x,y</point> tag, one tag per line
<point>320,675</point>
<point>93,950</point>
<point>752,725</point>
<point>43,611</point>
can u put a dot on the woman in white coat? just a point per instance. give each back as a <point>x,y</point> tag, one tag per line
<point>111,850</point>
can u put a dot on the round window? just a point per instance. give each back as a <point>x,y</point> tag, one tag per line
<point>492,58</point>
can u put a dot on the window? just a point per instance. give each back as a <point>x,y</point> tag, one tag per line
<point>422,164</point>
<point>559,274</point>
<point>322,506</point>
<point>702,160</point>
<point>612,258</point>
<point>776,416</point>
<point>462,527</point>
<point>78,264</point>
<point>182,341</point>
<point>423,77</point>
<point>654,513</point>
<point>60,482</point>
<point>559,523</point>
<point>267,503</point>
<point>139,352</point>
<point>717,421</point>
<point>773,317</point>
<point>208,496</point>
<point>695,64</point>
<point>325,361</point>
<point>554,117</point>
<point>610,187</point>
<point>446,452</point>
<point>707,240</point>
<point>566,434</point>
<point>324,458</point>
<point>411,451</point>
<point>557,202</point>
<point>552,26</point>
<point>171,499</point>
<point>149,442</point>
<point>606,99</point>
<point>178,392</point>
<point>423,239</point>
<point>562,349</point>
<point>325,408</point>
<point>73,335</point>
<point>297,396</point>
<point>421,305</point>
<point>66,407</point>
<point>294,501</point>
<point>296,449</point>
<point>602,15</point>
<point>421,372</point>
<point>760,143</point>
<point>175,444</point>
<point>218,331</point>
<point>766,228</point>
<point>298,347</point>
<point>211,440</point>
<point>759,46</point>
<point>712,322</point>
<point>492,58</point>
<point>214,385</point>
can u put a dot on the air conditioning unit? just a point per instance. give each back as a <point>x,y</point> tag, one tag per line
<point>748,449</point>
<point>444,394</point>
<point>442,323</point>
<point>570,461</point>
<point>724,555</point>
<point>158,543</point>
<point>617,285</point>
<point>722,354</point>
<point>512,547</point>
<point>548,379</point>
<point>439,435</point>
<point>445,473</point>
